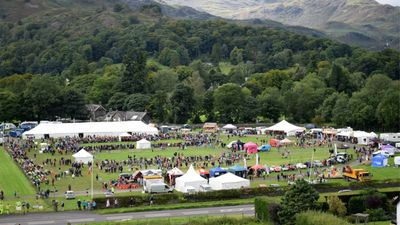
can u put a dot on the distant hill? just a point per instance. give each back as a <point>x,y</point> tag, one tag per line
<point>364,23</point>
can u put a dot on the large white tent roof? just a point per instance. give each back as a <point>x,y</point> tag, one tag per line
<point>89,128</point>
<point>228,181</point>
<point>82,154</point>
<point>229,127</point>
<point>189,179</point>
<point>284,126</point>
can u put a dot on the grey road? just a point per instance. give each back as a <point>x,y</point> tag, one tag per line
<point>81,217</point>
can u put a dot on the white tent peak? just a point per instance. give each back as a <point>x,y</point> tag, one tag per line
<point>229,127</point>
<point>143,141</point>
<point>285,126</point>
<point>82,153</point>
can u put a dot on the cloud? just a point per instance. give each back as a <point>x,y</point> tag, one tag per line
<point>389,2</point>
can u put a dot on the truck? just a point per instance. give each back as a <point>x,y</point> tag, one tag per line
<point>159,187</point>
<point>355,174</point>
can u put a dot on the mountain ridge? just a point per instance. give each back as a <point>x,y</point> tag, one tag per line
<point>368,18</point>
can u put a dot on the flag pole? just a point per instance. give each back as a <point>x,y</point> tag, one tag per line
<point>92,176</point>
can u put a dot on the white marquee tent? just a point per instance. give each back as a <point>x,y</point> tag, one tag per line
<point>228,181</point>
<point>143,144</point>
<point>229,127</point>
<point>363,138</point>
<point>55,130</point>
<point>189,179</point>
<point>83,156</point>
<point>285,127</point>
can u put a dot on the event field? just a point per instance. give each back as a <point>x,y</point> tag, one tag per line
<point>12,179</point>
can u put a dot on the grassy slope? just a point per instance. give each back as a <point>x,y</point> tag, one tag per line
<point>11,177</point>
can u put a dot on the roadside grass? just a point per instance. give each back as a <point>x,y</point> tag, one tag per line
<point>11,177</point>
<point>190,220</point>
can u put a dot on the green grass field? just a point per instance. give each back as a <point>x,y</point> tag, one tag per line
<point>12,179</point>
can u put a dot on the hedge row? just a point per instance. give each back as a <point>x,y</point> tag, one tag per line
<point>139,200</point>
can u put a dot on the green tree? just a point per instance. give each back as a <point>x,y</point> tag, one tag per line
<point>299,198</point>
<point>8,105</point>
<point>133,79</point>
<point>42,96</point>
<point>117,101</point>
<point>270,104</point>
<point>159,106</point>
<point>388,111</point>
<point>336,206</point>
<point>341,112</point>
<point>137,102</point>
<point>236,56</point>
<point>73,104</point>
<point>228,102</point>
<point>182,103</point>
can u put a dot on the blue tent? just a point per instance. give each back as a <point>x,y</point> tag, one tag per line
<point>238,170</point>
<point>215,172</point>
<point>379,161</point>
<point>264,148</point>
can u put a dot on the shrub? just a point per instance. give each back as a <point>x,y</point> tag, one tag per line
<point>300,197</point>
<point>261,209</point>
<point>356,204</point>
<point>273,211</point>
<point>376,214</point>
<point>318,218</point>
<point>336,206</point>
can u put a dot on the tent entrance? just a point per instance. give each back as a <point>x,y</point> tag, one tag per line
<point>80,135</point>
<point>46,136</point>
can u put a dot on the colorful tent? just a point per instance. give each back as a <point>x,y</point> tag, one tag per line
<point>274,142</point>
<point>379,161</point>
<point>250,147</point>
<point>258,167</point>
<point>217,171</point>
<point>238,170</point>
<point>285,142</point>
<point>264,148</point>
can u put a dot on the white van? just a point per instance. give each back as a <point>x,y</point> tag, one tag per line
<point>159,188</point>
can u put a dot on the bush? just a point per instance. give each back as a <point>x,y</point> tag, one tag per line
<point>261,209</point>
<point>356,204</point>
<point>300,197</point>
<point>336,206</point>
<point>376,214</point>
<point>273,211</point>
<point>318,218</point>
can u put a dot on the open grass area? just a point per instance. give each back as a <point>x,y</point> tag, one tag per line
<point>271,158</point>
<point>12,179</point>
<point>389,172</point>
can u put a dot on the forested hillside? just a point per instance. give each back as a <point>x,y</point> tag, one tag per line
<point>55,62</point>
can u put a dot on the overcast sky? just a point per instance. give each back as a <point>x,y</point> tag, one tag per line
<point>390,2</point>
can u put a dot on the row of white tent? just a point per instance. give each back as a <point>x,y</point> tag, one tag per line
<point>116,129</point>
<point>193,181</point>
<point>363,138</point>
<point>283,126</point>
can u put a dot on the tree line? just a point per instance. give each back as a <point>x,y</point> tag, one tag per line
<point>190,71</point>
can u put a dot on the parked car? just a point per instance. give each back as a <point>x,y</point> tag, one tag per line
<point>318,163</point>
<point>69,195</point>
<point>342,157</point>
<point>383,152</point>
<point>108,193</point>
<point>301,166</point>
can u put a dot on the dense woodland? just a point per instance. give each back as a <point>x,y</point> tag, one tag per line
<point>182,71</point>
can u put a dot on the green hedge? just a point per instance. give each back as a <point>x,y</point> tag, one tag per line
<point>318,218</point>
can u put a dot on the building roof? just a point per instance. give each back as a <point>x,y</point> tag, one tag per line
<point>126,115</point>
<point>94,107</point>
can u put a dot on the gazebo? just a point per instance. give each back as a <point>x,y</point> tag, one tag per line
<point>83,156</point>
<point>217,171</point>
<point>238,170</point>
<point>250,147</point>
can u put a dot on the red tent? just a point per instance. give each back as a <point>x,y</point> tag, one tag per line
<point>274,142</point>
<point>251,148</point>
<point>258,167</point>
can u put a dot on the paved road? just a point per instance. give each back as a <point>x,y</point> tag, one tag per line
<point>79,217</point>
